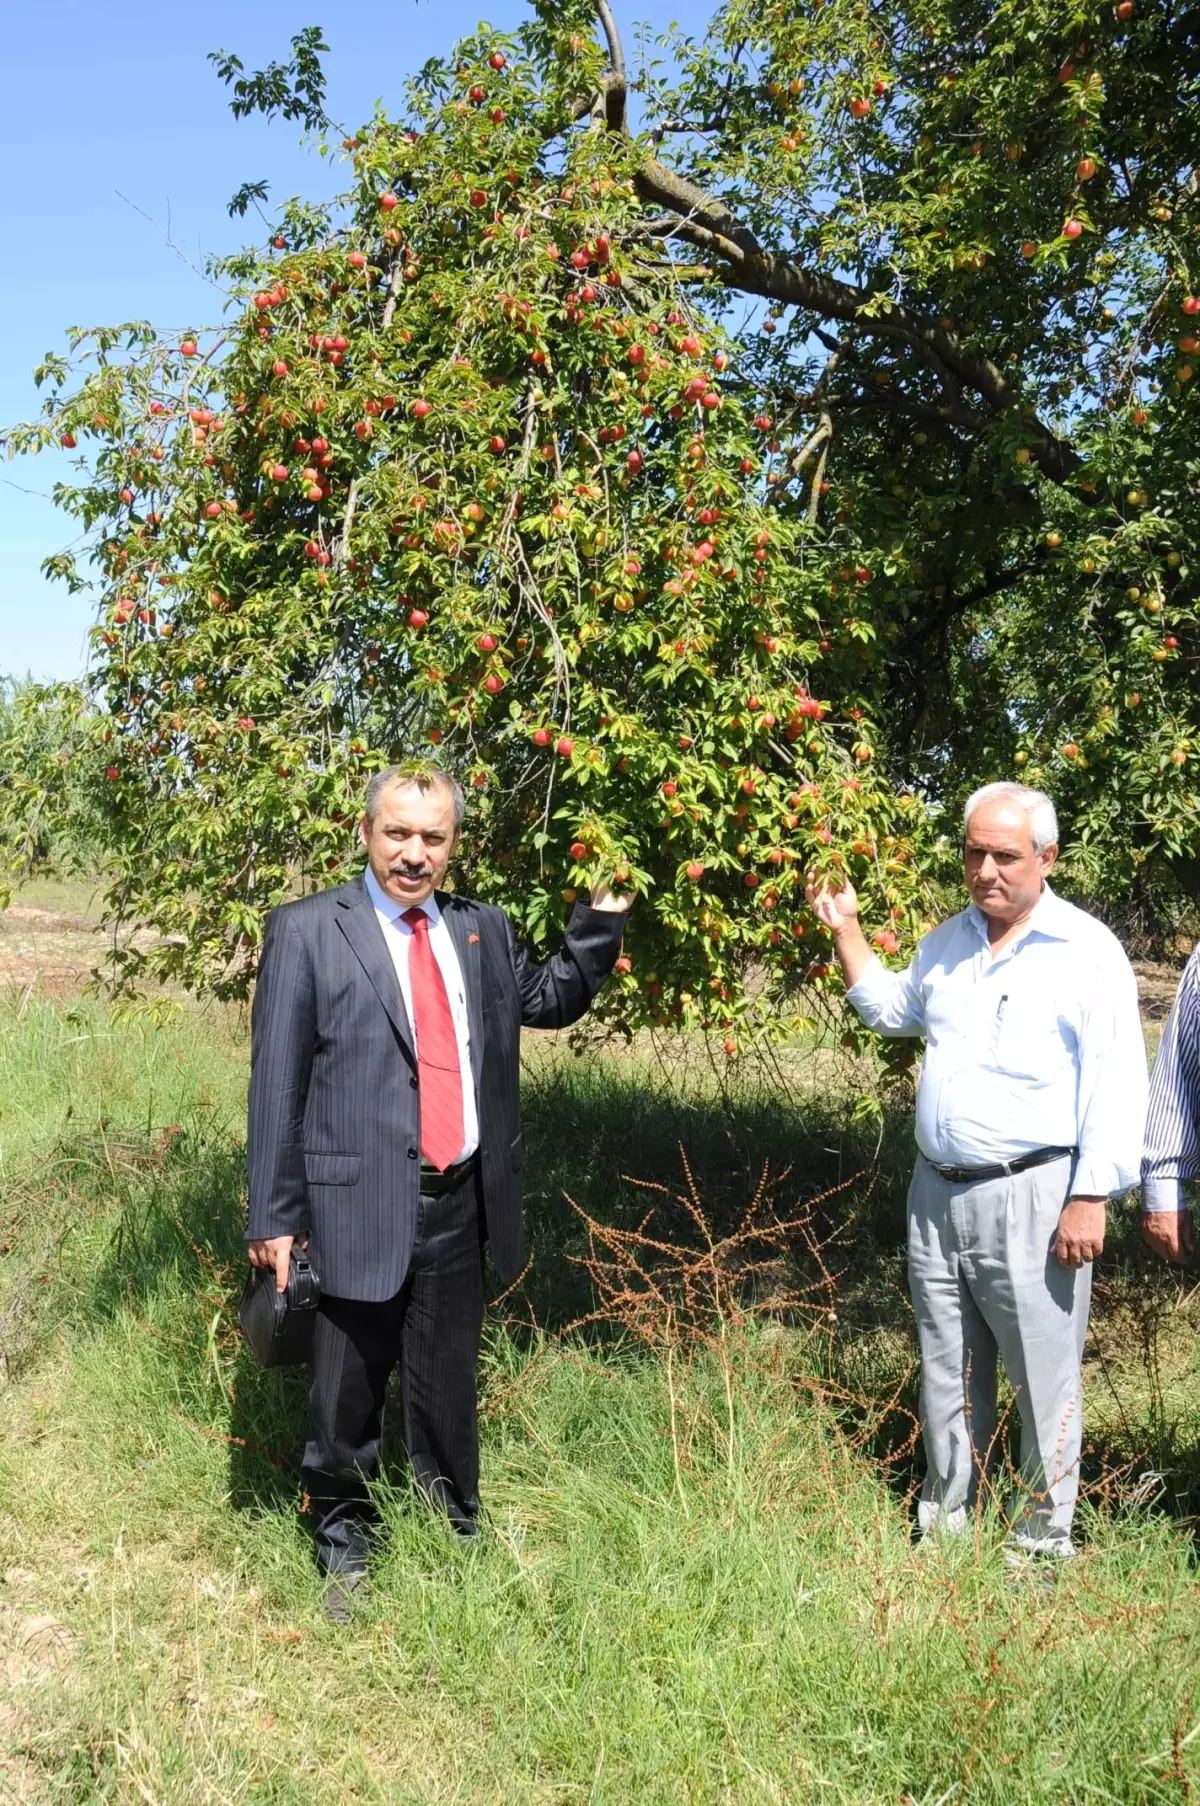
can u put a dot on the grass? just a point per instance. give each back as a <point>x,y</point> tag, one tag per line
<point>698,1584</point>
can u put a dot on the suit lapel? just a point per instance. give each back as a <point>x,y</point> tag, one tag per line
<point>360,925</point>
<point>460,920</point>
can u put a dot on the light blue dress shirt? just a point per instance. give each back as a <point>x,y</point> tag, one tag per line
<point>1173,1128</point>
<point>1038,1046</point>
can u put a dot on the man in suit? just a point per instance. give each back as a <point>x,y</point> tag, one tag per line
<point>384,1129</point>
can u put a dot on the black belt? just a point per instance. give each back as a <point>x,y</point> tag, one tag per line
<point>1004,1169</point>
<point>434,1182</point>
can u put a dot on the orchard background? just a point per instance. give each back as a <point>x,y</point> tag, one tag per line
<point>723,455</point>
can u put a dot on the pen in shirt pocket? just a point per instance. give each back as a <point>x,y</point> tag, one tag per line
<point>1000,1008</point>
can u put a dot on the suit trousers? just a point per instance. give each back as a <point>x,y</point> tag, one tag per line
<point>985,1281</point>
<point>431,1328</point>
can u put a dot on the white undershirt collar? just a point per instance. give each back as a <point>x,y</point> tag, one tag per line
<point>389,907</point>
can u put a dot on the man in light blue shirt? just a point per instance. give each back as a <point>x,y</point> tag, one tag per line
<point>1030,1114</point>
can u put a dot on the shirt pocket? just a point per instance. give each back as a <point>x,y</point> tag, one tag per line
<point>1028,1040</point>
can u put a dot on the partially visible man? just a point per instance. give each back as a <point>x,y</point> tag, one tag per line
<point>1030,1114</point>
<point>384,1127</point>
<point>1172,1154</point>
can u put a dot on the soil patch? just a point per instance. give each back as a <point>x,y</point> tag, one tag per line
<point>36,1651</point>
<point>53,951</point>
<point>1157,985</point>
<point>43,950</point>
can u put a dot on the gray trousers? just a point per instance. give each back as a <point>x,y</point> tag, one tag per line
<point>985,1281</point>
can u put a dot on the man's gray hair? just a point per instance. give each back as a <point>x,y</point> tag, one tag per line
<point>424,774</point>
<point>1043,820</point>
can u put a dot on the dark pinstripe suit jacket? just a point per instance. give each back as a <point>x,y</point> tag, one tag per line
<point>334,1120</point>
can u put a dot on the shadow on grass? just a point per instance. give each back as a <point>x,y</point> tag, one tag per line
<point>599,1133</point>
<point>177,1260</point>
<point>604,1136</point>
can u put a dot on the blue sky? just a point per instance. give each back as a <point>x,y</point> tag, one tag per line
<point>101,104</point>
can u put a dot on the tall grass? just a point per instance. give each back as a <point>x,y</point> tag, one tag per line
<point>698,1582</point>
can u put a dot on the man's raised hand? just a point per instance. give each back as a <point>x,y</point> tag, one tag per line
<point>604,897</point>
<point>836,908</point>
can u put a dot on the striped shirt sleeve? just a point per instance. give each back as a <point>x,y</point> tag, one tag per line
<point>1172,1151</point>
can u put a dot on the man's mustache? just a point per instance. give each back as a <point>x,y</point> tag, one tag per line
<point>409,871</point>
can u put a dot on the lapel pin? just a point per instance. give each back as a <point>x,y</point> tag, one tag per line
<point>472,940</point>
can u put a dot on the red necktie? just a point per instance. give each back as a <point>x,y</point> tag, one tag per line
<point>439,1073</point>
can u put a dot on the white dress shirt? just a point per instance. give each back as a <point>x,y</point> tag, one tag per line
<point>1037,1046</point>
<point>398,935</point>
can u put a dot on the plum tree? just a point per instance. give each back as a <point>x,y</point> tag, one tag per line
<point>720,494</point>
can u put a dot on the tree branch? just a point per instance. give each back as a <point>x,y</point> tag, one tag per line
<point>341,544</point>
<point>993,585</point>
<point>814,494</point>
<point>703,220</point>
<point>616,86</point>
<point>710,226</point>
<point>395,285</point>
<point>701,128</point>
<point>937,413</point>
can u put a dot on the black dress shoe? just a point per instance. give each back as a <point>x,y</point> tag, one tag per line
<point>341,1592</point>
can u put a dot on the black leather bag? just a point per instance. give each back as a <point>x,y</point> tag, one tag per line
<point>279,1325</point>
